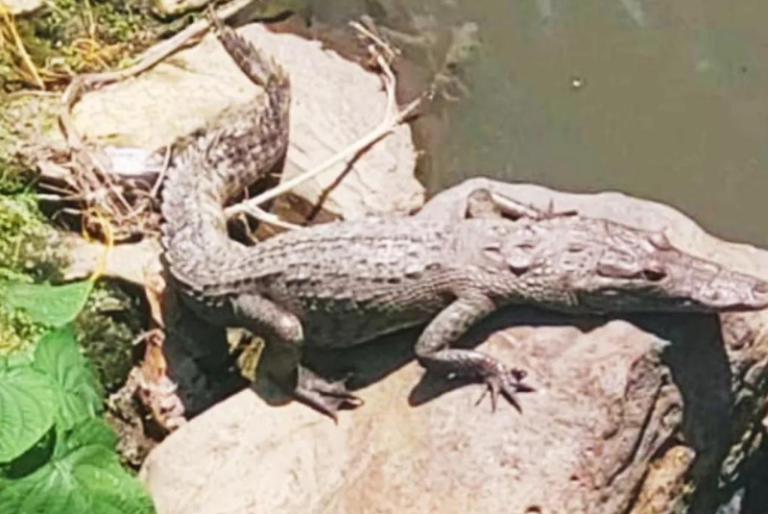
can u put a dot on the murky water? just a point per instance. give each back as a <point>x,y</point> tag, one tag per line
<point>663,100</point>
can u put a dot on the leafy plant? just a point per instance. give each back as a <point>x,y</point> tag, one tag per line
<point>46,304</point>
<point>83,475</point>
<point>57,455</point>
<point>27,403</point>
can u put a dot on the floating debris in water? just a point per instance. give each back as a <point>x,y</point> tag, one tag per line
<point>576,83</point>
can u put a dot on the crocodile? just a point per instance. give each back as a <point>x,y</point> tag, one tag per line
<point>344,283</point>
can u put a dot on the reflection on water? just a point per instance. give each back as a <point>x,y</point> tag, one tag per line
<point>664,100</point>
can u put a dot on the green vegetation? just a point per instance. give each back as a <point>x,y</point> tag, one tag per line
<point>62,345</point>
<point>106,329</point>
<point>28,245</point>
<point>74,36</point>
<point>27,252</point>
<point>57,454</point>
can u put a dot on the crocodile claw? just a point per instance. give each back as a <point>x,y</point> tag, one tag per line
<point>507,383</point>
<point>325,396</point>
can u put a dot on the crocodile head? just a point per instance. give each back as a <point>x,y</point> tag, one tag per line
<point>583,264</point>
<point>641,271</point>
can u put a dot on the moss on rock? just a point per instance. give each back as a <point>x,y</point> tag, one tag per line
<point>28,245</point>
<point>107,327</point>
<point>78,36</point>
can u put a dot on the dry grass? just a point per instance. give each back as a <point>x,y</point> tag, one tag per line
<point>14,51</point>
<point>45,51</point>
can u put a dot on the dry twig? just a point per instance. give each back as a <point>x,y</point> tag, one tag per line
<point>393,117</point>
<point>19,50</point>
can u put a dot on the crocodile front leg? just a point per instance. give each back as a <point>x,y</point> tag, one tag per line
<point>433,353</point>
<point>283,351</point>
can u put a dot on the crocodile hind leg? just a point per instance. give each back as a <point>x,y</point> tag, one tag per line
<point>446,328</point>
<point>483,198</point>
<point>480,202</point>
<point>282,366</point>
<point>483,204</point>
<point>480,205</point>
<point>283,352</point>
<point>326,396</point>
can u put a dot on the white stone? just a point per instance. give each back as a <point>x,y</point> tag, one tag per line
<point>22,7</point>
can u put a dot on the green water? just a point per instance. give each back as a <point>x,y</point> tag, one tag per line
<point>663,100</point>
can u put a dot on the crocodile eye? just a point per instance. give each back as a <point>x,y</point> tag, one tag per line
<point>654,274</point>
<point>493,254</point>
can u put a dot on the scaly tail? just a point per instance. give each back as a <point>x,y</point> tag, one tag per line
<point>214,163</point>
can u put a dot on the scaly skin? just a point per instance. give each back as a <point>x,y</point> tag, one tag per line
<point>218,161</point>
<point>342,284</point>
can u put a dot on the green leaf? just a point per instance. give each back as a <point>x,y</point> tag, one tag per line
<point>86,479</point>
<point>27,407</point>
<point>78,392</point>
<point>93,431</point>
<point>19,359</point>
<point>46,304</point>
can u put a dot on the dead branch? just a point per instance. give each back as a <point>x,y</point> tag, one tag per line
<point>393,117</point>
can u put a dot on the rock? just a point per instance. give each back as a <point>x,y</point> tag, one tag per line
<point>629,415</point>
<point>128,262</point>
<point>176,7</point>
<point>334,103</point>
<point>23,7</point>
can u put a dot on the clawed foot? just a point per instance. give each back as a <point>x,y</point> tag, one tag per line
<point>326,396</point>
<point>506,382</point>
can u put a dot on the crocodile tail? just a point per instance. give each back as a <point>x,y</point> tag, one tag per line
<point>262,70</point>
<point>212,164</point>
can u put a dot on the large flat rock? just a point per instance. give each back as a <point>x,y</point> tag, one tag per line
<point>629,415</point>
